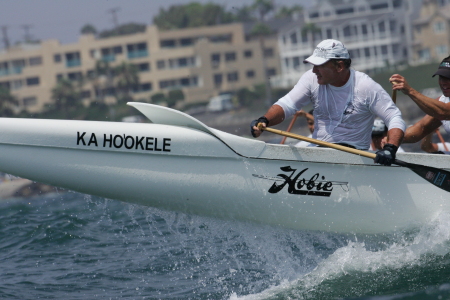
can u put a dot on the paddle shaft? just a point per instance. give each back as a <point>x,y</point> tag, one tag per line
<point>321,143</point>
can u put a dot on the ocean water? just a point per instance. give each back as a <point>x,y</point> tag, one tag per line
<point>76,246</point>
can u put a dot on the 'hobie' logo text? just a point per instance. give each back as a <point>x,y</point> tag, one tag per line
<point>300,184</point>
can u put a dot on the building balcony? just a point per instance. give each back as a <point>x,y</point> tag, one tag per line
<point>137,54</point>
<point>12,71</point>
<point>73,63</point>
<point>108,58</point>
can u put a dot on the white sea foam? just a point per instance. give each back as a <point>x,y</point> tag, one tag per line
<point>404,250</point>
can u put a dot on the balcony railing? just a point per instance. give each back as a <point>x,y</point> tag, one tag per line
<point>12,71</point>
<point>73,63</point>
<point>109,58</point>
<point>137,54</point>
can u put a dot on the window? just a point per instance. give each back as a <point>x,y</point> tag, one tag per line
<point>117,50</point>
<point>146,87</point>
<point>250,74</point>
<point>367,52</point>
<point>73,59</point>
<point>293,38</point>
<point>424,54</point>
<point>295,62</point>
<point>17,84</point>
<point>442,50</point>
<point>59,77</point>
<point>35,61</point>
<point>57,58</point>
<point>271,72</point>
<point>167,43</point>
<point>232,77</point>
<point>218,79</point>
<point>215,59</point>
<point>224,38</point>
<point>342,11</point>
<point>268,52</point>
<point>186,42</point>
<point>29,101</point>
<point>439,27</point>
<point>32,81</point>
<point>230,56</point>
<point>143,87</point>
<point>161,64</point>
<point>392,25</point>
<point>144,67</point>
<point>379,6</point>
<point>137,50</point>
<point>248,53</point>
<point>329,33</point>
<point>364,29</point>
<point>347,31</point>
<point>74,76</point>
<point>381,27</point>
<point>384,50</point>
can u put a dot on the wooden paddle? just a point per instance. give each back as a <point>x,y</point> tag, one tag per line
<point>435,176</point>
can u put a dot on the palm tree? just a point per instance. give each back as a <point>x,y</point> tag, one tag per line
<point>261,30</point>
<point>101,79</point>
<point>310,29</point>
<point>126,79</point>
<point>66,96</point>
<point>7,101</point>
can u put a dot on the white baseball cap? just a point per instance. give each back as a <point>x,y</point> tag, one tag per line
<point>326,50</point>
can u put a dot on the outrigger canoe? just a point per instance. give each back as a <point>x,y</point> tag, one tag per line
<point>177,163</point>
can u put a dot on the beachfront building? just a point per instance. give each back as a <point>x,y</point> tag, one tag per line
<point>431,39</point>
<point>377,34</point>
<point>203,62</point>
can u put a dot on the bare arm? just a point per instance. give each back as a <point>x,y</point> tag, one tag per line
<point>395,136</point>
<point>426,144</point>
<point>430,106</point>
<point>422,128</point>
<point>275,115</point>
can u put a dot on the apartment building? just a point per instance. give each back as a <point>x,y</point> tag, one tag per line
<point>377,34</point>
<point>431,39</point>
<point>203,62</point>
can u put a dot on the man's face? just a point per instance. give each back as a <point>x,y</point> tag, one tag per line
<point>444,84</point>
<point>326,73</point>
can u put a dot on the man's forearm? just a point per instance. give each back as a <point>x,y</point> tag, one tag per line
<point>395,136</point>
<point>430,106</point>
<point>275,115</point>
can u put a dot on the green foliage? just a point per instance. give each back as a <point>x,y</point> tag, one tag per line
<point>125,29</point>
<point>192,15</point>
<point>88,29</point>
<point>126,80</point>
<point>174,96</point>
<point>246,97</point>
<point>261,29</point>
<point>263,7</point>
<point>66,97</point>
<point>285,11</point>
<point>7,102</point>
<point>158,98</point>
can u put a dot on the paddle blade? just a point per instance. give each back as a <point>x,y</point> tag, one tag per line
<point>435,176</point>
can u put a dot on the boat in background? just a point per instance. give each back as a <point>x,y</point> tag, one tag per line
<point>179,164</point>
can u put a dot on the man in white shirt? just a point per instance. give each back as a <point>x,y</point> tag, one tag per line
<point>345,103</point>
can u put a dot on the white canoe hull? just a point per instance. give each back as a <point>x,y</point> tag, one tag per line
<point>189,170</point>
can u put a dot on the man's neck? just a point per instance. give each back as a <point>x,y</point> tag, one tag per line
<point>342,79</point>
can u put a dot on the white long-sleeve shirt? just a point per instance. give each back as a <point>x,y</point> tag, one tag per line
<point>343,114</point>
